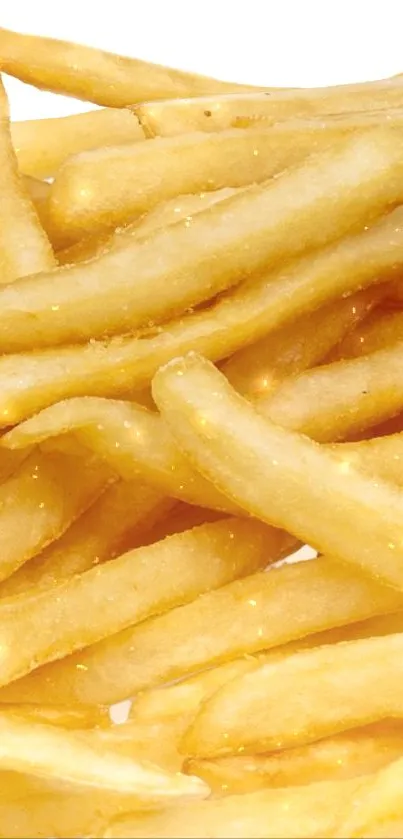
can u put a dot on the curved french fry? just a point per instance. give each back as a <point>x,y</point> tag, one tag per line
<point>128,288</point>
<point>42,145</point>
<point>95,75</point>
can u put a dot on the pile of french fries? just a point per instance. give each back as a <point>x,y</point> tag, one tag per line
<point>201,371</point>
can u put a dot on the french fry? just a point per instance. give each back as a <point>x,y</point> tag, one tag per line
<point>29,382</point>
<point>300,812</point>
<point>244,617</point>
<point>353,395</point>
<point>179,517</point>
<point>50,752</point>
<point>107,187</point>
<point>350,754</point>
<point>24,247</point>
<point>257,369</point>
<point>141,583</point>
<point>263,467</point>
<point>380,329</point>
<point>96,536</point>
<point>42,145</point>
<point>76,717</point>
<point>156,741</point>
<point>356,106</point>
<point>127,288</point>
<point>41,499</point>
<point>255,710</point>
<point>377,805</point>
<point>97,76</point>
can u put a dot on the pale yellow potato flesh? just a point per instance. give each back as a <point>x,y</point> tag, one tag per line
<point>107,187</point>
<point>263,468</point>
<point>360,751</point>
<point>41,499</point>
<point>126,288</point>
<point>262,611</point>
<point>146,581</point>
<point>311,812</point>
<point>97,76</point>
<point>42,145</point>
<point>24,246</point>
<point>257,369</point>
<point>126,507</point>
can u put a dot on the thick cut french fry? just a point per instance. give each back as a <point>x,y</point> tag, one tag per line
<point>32,381</point>
<point>356,106</point>
<point>137,585</point>
<point>263,467</point>
<point>360,751</point>
<point>42,145</point>
<point>380,329</point>
<point>307,696</point>
<point>257,369</point>
<point>95,75</point>
<point>244,617</point>
<point>79,758</point>
<point>301,812</point>
<point>127,288</point>
<point>107,187</point>
<point>125,507</point>
<point>41,499</point>
<point>24,246</point>
<point>334,401</point>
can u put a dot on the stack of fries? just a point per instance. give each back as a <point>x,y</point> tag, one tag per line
<point>201,371</point>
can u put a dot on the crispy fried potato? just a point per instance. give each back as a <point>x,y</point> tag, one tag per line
<point>127,288</point>
<point>257,369</point>
<point>155,741</point>
<point>77,717</point>
<point>263,467</point>
<point>95,75</point>
<point>378,809</point>
<point>305,697</point>
<point>42,145</point>
<point>24,246</point>
<point>380,329</point>
<point>126,507</point>
<point>244,617</point>
<point>300,812</point>
<point>41,499</point>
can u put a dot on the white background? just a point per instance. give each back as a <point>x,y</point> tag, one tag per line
<point>272,42</point>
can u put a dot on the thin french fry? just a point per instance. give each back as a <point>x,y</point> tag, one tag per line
<point>285,704</point>
<point>352,395</point>
<point>42,145</point>
<point>96,536</point>
<point>350,754</point>
<point>32,381</point>
<point>107,187</point>
<point>257,369</point>
<point>41,499</point>
<point>244,617</point>
<point>95,75</point>
<point>24,247</point>
<point>380,329</point>
<point>127,288</point>
<point>144,582</point>
<point>179,517</point>
<point>301,812</point>
<point>263,467</point>
<point>77,757</point>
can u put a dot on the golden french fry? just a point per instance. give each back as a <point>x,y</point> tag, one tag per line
<point>29,382</point>
<point>42,145</point>
<point>156,741</point>
<point>24,246</point>
<point>300,812</point>
<point>144,582</point>
<point>41,499</point>
<point>380,329</point>
<point>179,517</point>
<point>127,288</point>
<point>299,345</point>
<point>352,395</point>
<point>107,187</point>
<point>79,758</point>
<point>127,507</point>
<point>244,617</point>
<point>286,703</point>
<point>77,717</point>
<point>263,468</point>
<point>95,75</point>
<point>360,751</point>
<point>377,805</point>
